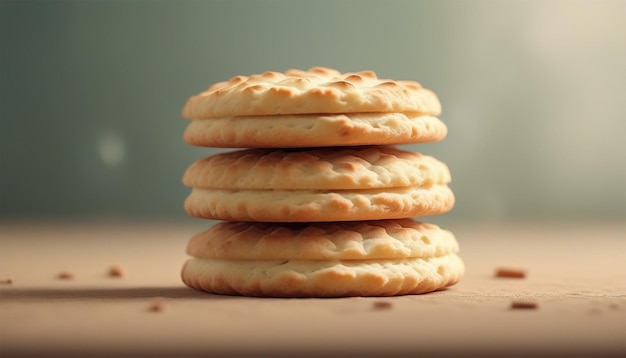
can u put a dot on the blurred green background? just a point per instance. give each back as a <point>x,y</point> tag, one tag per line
<point>534,95</point>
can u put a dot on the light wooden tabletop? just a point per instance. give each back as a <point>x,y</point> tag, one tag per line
<point>576,275</point>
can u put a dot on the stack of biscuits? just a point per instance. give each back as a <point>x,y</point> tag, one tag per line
<point>314,198</point>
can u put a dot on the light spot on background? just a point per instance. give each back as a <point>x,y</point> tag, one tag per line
<point>111,148</point>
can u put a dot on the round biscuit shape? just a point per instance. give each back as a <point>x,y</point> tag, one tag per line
<point>315,169</point>
<point>319,205</point>
<point>318,90</point>
<point>350,240</point>
<point>320,130</point>
<point>315,278</point>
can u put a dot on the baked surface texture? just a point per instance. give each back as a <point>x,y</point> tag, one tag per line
<point>320,202</point>
<point>375,258</point>
<point>314,108</point>
<point>310,278</point>
<point>317,169</point>
<point>318,90</point>
<point>317,205</point>
<point>285,131</point>
<point>324,184</point>
<point>351,240</point>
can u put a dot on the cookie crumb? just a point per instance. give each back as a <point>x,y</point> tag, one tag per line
<point>524,304</point>
<point>157,306</point>
<point>117,271</point>
<point>510,272</point>
<point>65,275</point>
<point>382,305</point>
<point>7,281</point>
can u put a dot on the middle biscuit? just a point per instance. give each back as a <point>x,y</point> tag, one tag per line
<point>312,185</point>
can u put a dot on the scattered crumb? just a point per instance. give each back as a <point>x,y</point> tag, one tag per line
<point>524,304</point>
<point>7,281</point>
<point>157,306</point>
<point>613,306</point>
<point>117,271</point>
<point>65,275</point>
<point>382,305</point>
<point>510,272</point>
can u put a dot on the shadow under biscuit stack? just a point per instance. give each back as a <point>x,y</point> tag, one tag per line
<point>313,199</point>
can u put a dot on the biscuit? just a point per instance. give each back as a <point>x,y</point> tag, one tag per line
<point>310,278</point>
<point>315,169</point>
<point>334,184</point>
<point>319,205</point>
<point>314,108</point>
<point>350,240</point>
<point>315,130</point>
<point>318,90</point>
<point>377,258</point>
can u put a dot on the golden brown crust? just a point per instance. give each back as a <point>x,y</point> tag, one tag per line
<point>315,169</point>
<point>329,216</point>
<point>318,90</point>
<point>311,278</point>
<point>316,206</point>
<point>352,240</point>
<point>287,131</point>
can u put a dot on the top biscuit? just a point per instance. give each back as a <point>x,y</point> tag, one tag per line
<point>316,91</point>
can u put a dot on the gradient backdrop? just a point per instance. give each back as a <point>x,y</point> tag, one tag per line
<point>534,94</point>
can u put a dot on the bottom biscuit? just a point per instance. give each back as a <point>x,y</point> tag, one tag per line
<point>311,278</point>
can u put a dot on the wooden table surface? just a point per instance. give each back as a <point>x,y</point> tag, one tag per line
<point>576,275</point>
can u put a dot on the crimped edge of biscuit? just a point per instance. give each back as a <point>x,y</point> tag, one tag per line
<point>348,240</point>
<point>313,169</point>
<point>338,278</point>
<point>318,90</point>
<point>318,130</point>
<point>315,206</point>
